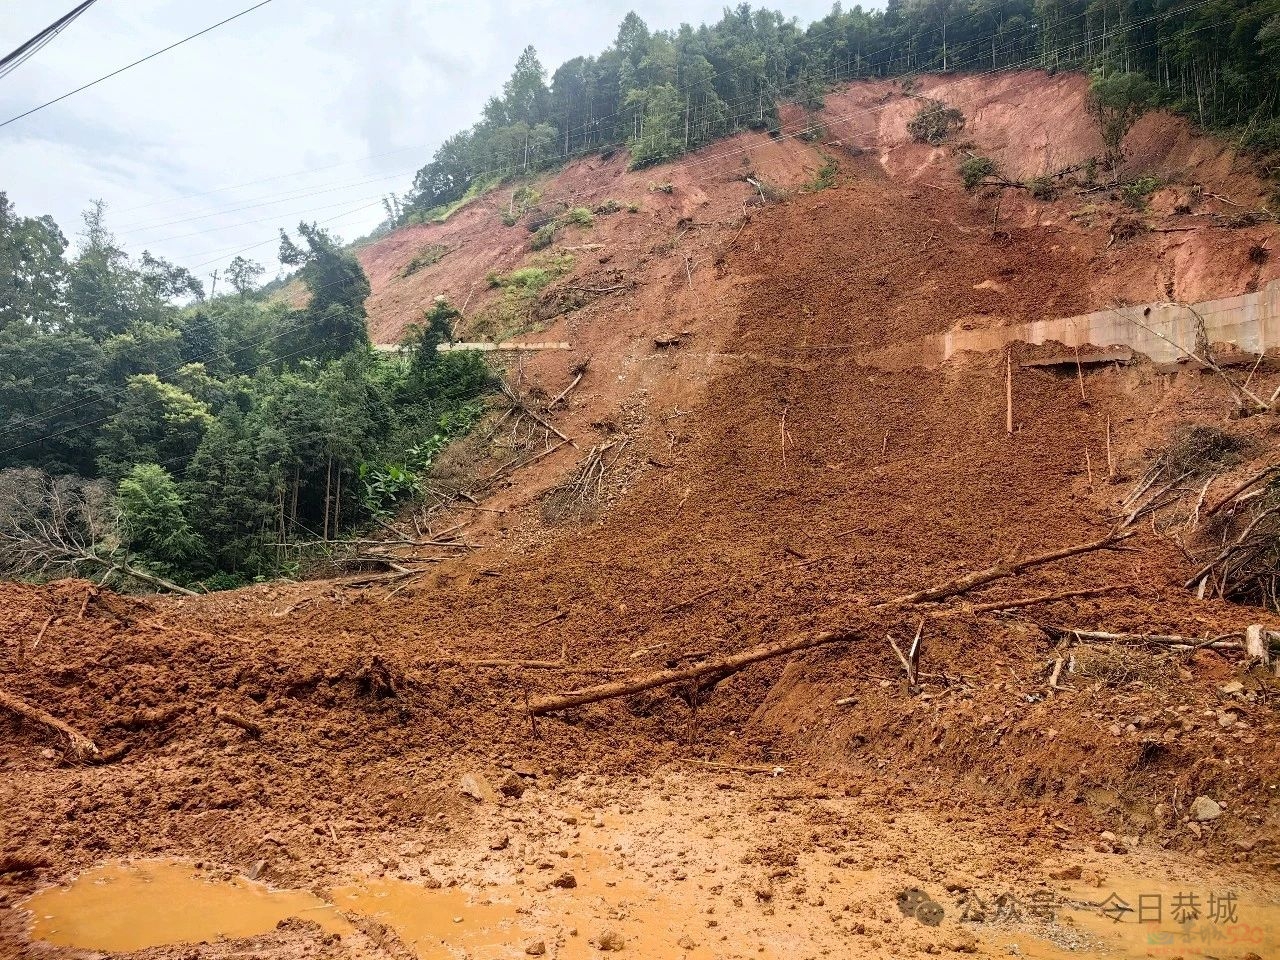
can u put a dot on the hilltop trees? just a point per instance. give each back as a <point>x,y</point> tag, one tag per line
<point>663,92</point>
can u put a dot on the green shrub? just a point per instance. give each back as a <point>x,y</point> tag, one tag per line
<point>633,207</point>
<point>1042,188</point>
<point>580,216</point>
<point>935,122</point>
<point>975,169</point>
<point>1263,138</point>
<point>1136,193</point>
<point>608,207</point>
<point>825,177</point>
<point>542,237</point>
<point>424,258</point>
<point>661,187</point>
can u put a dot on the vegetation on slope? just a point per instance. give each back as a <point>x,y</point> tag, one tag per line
<point>661,93</point>
<point>200,442</point>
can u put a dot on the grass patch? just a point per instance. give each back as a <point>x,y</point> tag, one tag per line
<point>424,258</point>
<point>825,177</point>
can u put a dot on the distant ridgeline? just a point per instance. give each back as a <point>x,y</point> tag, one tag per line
<point>662,93</point>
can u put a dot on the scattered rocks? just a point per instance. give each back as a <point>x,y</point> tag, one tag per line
<point>609,941</point>
<point>1203,809</point>
<point>512,785</point>
<point>475,786</point>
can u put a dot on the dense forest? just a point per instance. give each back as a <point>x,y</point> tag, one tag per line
<point>661,93</point>
<point>141,438</point>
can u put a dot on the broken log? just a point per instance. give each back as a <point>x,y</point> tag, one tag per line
<point>251,727</point>
<point>1156,639</point>
<point>1027,601</point>
<point>79,747</point>
<point>978,578</point>
<point>729,664</point>
<point>1241,488</point>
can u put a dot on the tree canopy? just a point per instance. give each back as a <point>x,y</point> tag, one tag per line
<point>661,93</point>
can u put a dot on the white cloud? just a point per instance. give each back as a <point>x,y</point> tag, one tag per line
<point>299,103</point>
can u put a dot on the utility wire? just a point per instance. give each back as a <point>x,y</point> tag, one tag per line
<point>135,63</point>
<point>11,61</point>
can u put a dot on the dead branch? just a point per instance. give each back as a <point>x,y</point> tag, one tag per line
<point>620,286</point>
<point>726,665</point>
<point>79,747</point>
<point>1027,601</point>
<point>498,663</point>
<point>567,390</point>
<point>978,578</point>
<point>252,727</point>
<point>1241,488</point>
<point>1153,639</point>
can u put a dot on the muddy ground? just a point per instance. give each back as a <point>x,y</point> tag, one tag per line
<point>768,484</point>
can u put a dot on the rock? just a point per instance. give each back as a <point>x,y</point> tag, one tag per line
<point>1067,873</point>
<point>1203,809</point>
<point>536,948</point>
<point>566,881</point>
<point>1235,686</point>
<point>1108,836</point>
<point>475,786</point>
<point>610,941</point>
<point>512,785</point>
<point>1244,846</point>
<point>962,942</point>
<point>686,942</point>
<point>500,842</point>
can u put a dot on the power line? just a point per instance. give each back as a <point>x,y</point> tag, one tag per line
<point>135,63</point>
<point>11,61</point>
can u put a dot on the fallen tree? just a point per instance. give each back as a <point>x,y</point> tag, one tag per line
<point>980,578</point>
<point>723,665</point>
<point>79,747</point>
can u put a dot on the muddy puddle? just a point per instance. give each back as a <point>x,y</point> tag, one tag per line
<point>588,902</point>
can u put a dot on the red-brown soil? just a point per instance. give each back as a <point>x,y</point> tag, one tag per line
<point>771,484</point>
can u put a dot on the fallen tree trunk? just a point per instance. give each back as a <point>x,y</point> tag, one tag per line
<point>1156,639</point>
<point>499,663</point>
<point>1028,601</point>
<point>729,664</point>
<point>980,578</point>
<point>80,747</point>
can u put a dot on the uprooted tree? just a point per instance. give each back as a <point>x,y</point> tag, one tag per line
<point>64,526</point>
<point>1116,101</point>
<point>935,123</point>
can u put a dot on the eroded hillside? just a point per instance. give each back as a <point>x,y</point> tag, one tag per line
<point>746,478</point>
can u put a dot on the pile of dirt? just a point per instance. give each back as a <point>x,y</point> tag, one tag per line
<point>777,485</point>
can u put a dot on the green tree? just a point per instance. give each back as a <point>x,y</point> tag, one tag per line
<point>155,518</point>
<point>1116,101</point>
<point>156,423</point>
<point>243,275</point>
<point>333,323</point>
<point>32,270</point>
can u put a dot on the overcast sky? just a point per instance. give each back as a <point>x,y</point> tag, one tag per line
<point>303,109</point>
